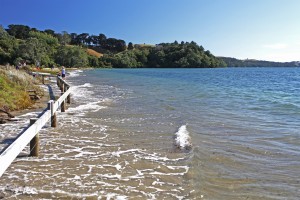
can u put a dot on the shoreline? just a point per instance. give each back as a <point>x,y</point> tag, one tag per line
<point>17,97</point>
<point>42,102</point>
<point>38,105</point>
<point>22,117</point>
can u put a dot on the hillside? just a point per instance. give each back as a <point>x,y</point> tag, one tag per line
<point>94,53</point>
<point>233,62</point>
<point>164,55</point>
<point>23,44</point>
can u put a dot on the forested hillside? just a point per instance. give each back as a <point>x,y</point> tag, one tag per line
<point>185,54</point>
<point>233,62</point>
<point>21,43</point>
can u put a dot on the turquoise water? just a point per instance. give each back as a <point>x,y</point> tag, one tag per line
<point>231,133</point>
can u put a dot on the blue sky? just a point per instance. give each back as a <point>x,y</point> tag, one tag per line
<point>256,29</point>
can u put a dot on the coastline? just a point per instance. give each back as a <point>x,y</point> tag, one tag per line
<point>120,133</point>
<point>15,125</point>
<point>41,103</point>
<point>36,106</point>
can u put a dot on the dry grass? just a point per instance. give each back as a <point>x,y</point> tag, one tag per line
<point>13,89</point>
<point>94,53</point>
<point>145,45</point>
<point>46,70</point>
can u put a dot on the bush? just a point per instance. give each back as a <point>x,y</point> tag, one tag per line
<point>13,89</point>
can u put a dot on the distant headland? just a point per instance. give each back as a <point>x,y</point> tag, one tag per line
<point>233,62</point>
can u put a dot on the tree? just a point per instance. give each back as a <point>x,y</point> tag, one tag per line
<point>8,46</point>
<point>93,61</point>
<point>102,39</point>
<point>74,39</point>
<point>130,46</point>
<point>50,32</point>
<point>32,50</point>
<point>120,46</point>
<point>142,57</point>
<point>34,29</point>
<point>64,38</point>
<point>115,45</point>
<point>40,48</point>
<point>18,31</point>
<point>82,38</point>
<point>71,56</point>
<point>93,39</point>
<point>44,37</point>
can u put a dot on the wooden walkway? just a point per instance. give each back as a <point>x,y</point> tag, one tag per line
<point>31,134</point>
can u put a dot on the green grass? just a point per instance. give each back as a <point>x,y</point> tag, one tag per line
<point>13,89</point>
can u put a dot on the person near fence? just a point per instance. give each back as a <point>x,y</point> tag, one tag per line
<point>63,72</point>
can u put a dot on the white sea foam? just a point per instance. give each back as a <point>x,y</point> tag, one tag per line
<point>183,139</point>
<point>10,129</point>
<point>20,190</point>
<point>29,114</point>
<point>83,93</point>
<point>92,106</point>
<point>75,73</point>
<point>86,85</point>
<point>110,176</point>
<point>58,192</point>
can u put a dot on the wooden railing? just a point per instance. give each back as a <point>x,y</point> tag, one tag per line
<point>31,134</point>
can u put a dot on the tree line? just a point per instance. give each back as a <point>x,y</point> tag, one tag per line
<point>164,55</point>
<point>83,39</point>
<point>233,62</point>
<point>47,48</point>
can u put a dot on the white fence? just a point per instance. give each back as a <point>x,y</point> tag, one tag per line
<point>31,134</point>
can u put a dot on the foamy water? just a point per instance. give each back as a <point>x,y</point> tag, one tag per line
<point>88,157</point>
<point>168,134</point>
<point>183,139</point>
<point>75,73</point>
<point>10,130</point>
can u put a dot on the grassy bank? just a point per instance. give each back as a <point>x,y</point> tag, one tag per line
<point>14,86</point>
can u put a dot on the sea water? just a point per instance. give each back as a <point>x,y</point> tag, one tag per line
<point>231,133</point>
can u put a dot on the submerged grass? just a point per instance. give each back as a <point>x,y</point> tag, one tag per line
<point>14,86</point>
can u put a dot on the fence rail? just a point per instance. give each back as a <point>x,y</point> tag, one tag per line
<point>30,135</point>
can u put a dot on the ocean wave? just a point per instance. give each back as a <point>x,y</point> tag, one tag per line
<point>86,85</point>
<point>92,106</point>
<point>75,73</point>
<point>81,92</point>
<point>182,138</point>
